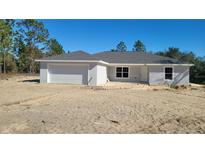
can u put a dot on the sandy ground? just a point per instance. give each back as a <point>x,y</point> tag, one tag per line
<point>29,107</point>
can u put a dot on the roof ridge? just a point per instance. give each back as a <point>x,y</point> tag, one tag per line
<point>80,51</point>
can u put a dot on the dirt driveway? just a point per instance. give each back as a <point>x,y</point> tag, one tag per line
<point>29,107</point>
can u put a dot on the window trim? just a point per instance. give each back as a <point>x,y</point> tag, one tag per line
<point>122,72</point>
<point>172,73</point>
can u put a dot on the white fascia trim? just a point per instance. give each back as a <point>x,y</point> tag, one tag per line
<point>73,61</point>
<point>103,62</point>
<point>111,64</point>
<point>126,64</point>
<point>170,64</point>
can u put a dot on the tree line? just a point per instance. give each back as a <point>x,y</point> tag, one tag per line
<point>138,46</point>
<point>22,41</point>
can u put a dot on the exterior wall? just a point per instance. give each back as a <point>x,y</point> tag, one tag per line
<point>43,72</point>
<point>92,74</point>
<point>98,74</point>
<point>156,75</point>
<point>101,74</point>
<point>180,76</point>
<point>144,74</point>
<point>134,74</point>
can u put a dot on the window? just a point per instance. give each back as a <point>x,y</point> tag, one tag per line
<point>168,73</point>
<point>119,72</point>
<point>122,72</point>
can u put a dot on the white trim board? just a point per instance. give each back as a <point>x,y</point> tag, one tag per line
<point>73,61</point>
<point>131,64</point>
<point>170,64</point>
<point>110,64</point>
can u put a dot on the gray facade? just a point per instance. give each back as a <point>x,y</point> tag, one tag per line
<point>43,72</point>
<point>157,75</point>
<point>134,74</point>
<point>153,75</point>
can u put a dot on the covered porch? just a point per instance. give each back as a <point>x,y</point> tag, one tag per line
<point>128,73</point>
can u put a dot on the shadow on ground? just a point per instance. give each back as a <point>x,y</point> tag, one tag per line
<point>32,80</point>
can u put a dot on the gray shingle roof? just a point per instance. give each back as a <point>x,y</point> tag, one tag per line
<point>117,57</point>
<point>77,55</point>
<point>134,57</point>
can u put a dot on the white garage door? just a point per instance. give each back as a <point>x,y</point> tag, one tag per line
<point>74,74</point>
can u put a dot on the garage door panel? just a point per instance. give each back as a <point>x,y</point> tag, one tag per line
<point>74,79</point>
<point>74,74</point>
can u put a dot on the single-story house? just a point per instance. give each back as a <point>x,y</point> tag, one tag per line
<point>96,69</point>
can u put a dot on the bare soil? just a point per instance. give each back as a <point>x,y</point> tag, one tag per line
<point>29,107</point>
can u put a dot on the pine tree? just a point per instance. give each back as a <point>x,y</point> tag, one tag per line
<point>121,47</point>
<point>139,46</point>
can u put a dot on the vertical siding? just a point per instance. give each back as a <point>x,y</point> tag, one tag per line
<point>181,75</point>
<point>43,72</point>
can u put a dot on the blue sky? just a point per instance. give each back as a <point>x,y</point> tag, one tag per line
<point>102,35</point>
